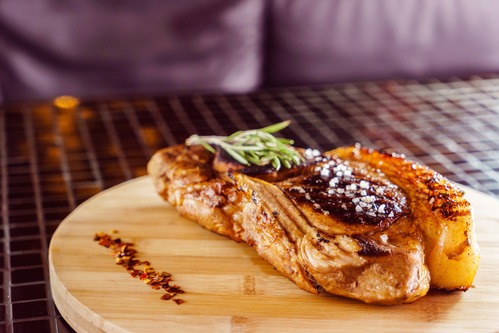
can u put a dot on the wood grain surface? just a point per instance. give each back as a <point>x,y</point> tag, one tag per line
<point>228,287</point>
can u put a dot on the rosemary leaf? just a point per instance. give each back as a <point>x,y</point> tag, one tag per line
<point>257,146</point>
<point>277,163</point>
<point>235,154</point>
<point>276,127</point>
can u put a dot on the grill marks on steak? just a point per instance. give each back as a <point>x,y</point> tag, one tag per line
<point>367,262</point>
<point>333,224</point>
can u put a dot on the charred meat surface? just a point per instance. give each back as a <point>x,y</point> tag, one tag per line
<point>353,222</point>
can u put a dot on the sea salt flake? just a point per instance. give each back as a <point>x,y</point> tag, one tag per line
<point>381,209</point>
<point>310,153</point>
<point>364,184</point>
<point>325,172</point>
<point>333,182</point>
<point>368,198</point>
<point>384,238</point>
<point>340,167</point>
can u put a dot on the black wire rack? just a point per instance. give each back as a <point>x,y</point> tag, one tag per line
<point>53,158</point>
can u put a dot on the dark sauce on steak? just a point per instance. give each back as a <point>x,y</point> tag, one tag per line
<point>354,194</point>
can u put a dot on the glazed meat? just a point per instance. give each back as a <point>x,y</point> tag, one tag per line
<point>353,222</point>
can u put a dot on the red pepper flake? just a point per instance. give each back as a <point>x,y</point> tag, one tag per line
<point>124,255</point>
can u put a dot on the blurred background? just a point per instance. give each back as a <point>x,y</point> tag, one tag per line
<point>125,47</point>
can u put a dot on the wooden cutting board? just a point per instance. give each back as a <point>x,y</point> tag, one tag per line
<point>228,287</point>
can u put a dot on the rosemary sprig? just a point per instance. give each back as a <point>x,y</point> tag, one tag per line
<point>257,146</point>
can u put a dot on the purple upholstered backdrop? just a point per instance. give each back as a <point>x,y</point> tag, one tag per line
<point>53,47</point>
<point>94,48</point>
<point>323,41</point>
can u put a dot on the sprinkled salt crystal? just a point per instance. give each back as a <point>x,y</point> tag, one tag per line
<point>379,190</point>
<point>355,200</point>
<point>341,190</point>
<point>317,206</point>
<point>333,182</point>
<point>344,206</point>
<point>352,187</point>
<point>364,184</point>
<point>340,167</point>
<point>307,196</point>
<point>384,238</point>
<point>381,209</point>
<point>358,209</point>
<point>370,213</point>
<point>391,214</point>
<point>330,191</point>
<point>368,198</point>
<point>363,193</point>
<point>310,153</point>
<point>432,200</point>
<point>325,172</point>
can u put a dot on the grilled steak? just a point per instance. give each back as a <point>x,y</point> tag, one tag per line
<point>354,222</point>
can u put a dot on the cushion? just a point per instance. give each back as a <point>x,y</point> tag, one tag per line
<point>327,41</point>
<point>95,48</point>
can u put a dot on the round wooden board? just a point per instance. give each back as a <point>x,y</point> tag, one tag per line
<point>228,287</point>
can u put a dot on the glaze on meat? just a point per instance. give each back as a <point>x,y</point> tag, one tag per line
<point>353,222</point>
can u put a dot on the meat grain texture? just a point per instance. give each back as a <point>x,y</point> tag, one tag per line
<point>353,222</point>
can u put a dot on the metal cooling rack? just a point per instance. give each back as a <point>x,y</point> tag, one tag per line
<point>53,158</point>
